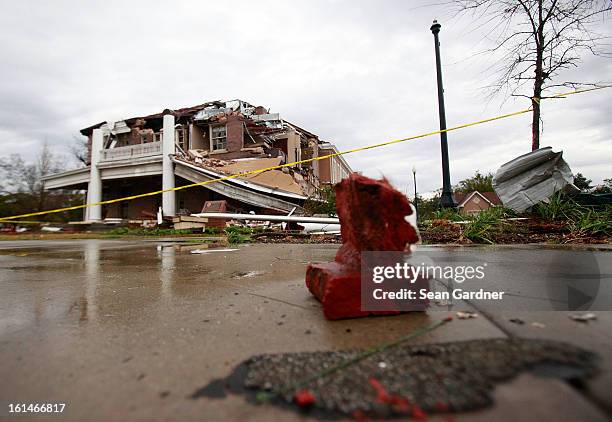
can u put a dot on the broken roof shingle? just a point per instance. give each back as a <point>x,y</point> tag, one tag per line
<point>256,126</point>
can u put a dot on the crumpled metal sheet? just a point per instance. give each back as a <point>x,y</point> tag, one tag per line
<point>533,178</point>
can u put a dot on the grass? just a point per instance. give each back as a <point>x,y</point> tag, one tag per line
<point>559,207</point>
<point>583,221</point>
<point>592,222</point>
<point>448,214</point>
<point>484,226</point>
<point>238,234</point>
<point>141,231</point>
<point>234,234</point>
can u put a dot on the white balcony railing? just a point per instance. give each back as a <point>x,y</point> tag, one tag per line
<point>132,151</point>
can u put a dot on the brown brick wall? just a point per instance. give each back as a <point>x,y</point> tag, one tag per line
<point>325,166</point>
<point>474,205</point>
<point>234,133</point>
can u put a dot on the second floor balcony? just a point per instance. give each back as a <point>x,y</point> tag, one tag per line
<point>149,149</point>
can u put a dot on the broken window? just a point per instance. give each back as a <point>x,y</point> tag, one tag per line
<point>182,139</point>
<point>218,137</point>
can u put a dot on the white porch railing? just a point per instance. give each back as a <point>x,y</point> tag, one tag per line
<point>131,151</point>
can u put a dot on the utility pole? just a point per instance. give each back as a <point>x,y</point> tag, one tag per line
<point>446,200</point>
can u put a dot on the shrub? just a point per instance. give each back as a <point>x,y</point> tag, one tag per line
<point>238,234</point>
<point>559,207</point>
<point>324,202</point>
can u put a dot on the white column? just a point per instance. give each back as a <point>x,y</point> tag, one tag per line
<point>168,149</point>
<point>94,190</point>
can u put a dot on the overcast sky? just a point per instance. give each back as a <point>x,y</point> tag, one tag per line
<point>353,72</point>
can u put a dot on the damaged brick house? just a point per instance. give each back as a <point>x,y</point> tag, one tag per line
<point>195,144</point>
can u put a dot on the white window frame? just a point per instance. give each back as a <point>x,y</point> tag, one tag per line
<point>182,131</point>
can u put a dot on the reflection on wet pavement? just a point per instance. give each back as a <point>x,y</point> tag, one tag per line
<point>125,329</point>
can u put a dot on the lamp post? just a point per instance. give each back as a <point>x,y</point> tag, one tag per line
<point>416,198</point>
<point>446,200</point>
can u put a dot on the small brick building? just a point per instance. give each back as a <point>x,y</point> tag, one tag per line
<point>475,201</point>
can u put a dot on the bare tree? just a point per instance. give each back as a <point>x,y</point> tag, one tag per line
<point>22,190</point>
<point>19,177</point>
<point>80,151</point>
<point>535,40</point>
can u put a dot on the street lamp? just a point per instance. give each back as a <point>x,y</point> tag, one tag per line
<point>446,200</point>
<point>416,199</point>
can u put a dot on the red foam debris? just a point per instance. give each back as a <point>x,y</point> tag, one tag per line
<point>418,413</point>
<point>398,403</point>
<point>304,398</point>
<point>381,394</point>
<point>372,217</point>
<point>360,416</point>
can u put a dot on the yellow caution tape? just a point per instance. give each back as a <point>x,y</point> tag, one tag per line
<point>30,222</point>
<point>246,173</point>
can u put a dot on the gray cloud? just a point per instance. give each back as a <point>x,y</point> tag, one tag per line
<point>356,73</point>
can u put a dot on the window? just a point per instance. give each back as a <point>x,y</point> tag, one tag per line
<point>181,139</point>
<point>218,137</point>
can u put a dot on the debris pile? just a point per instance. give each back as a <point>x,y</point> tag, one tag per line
<point>251,138</point>
<point>373,218</point>
<point>291,180</point>
<point>589,316</point>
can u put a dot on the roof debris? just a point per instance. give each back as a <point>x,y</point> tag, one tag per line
<point>463,377</point>
<point>204,251</point>
<point>286,179</point>
<point>589,316</point>
<point>466,314</point>
<point>533,178</point>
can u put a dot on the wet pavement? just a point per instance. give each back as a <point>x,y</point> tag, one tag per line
<point>130,329</point>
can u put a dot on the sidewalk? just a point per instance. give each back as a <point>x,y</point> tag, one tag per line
<point>129,330</point>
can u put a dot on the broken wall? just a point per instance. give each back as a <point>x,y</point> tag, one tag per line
<point>199,137</point>
<point>235,135</point>
<point>293,146</point>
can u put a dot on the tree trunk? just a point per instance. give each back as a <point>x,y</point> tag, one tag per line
<point>535,123</point>
<point>538,82</point>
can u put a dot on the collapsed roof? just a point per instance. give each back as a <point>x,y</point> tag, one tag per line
<point>256,139</point>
